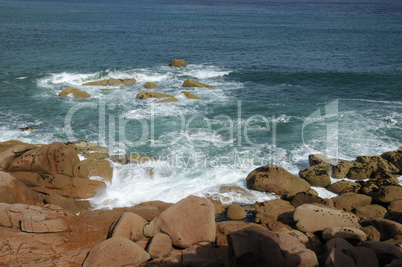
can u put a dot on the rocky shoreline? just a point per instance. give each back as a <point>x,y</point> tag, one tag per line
<point>44,187</point>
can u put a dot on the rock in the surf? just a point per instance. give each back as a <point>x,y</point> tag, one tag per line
<point>344,187</point>
<point>274,179</point>
<point>192,83</point>
<point>316,175</point>
<point>167,100</point>
<point>145,95</point>
<point>178,63</point>
<point>75,91</point>
<point>150,85</point>
<point>29,128</point>
<point>190,95</point>
<point>112,81</point>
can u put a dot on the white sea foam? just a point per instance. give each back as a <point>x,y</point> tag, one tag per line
<point>201,158</point>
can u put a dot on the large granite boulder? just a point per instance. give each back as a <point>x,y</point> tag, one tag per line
<point>339,167</point>
<point>189,221</point>
<point>160,246</point>
<point>9,151</point>
<point>199,255</point>
<point>88,168</point>
<point>30,179</point>
<point>284,229</point>
<point>66,203</point>
<point>372,233</point>
<point>116,251</point>
<point>351,201</point>
<point>254,246</point>
<point>371,211</point>
<point>348,233</point>
<point>387,228</point>
<point>316,217</point>
<point>34,219</point>
<point>385,252</point>
<point>226,227</point>
<point>335,257</point>
<point>316,175</point>
<point>13,191</point>
<point>75,91</point>
<point>394,158</point>
<point>362,256</point>
<point>89,150</point>
<point>395,207</point>
<point>269,212</point>
<point>343,186</point>
<point>274,179</point>
<point>112,81</point>
<point>85,188</point>
<point>306,197</point>
<point>192,83</point>
<point>389,193</point>
<point>130,226</point>
<point>55,158</point>
<point>177,63</point>
<point>372,167</point>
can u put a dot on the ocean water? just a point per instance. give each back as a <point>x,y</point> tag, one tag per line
<point>293,78</point>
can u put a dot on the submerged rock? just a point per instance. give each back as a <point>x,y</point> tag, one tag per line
<point>167,100</point>
<point>190,95</point>
<point>75,91</point>
<point>192,83</point>
<point>145,95</point>
<point>112,81</point>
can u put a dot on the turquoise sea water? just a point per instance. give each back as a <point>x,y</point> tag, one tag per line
<point>293,78</point>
